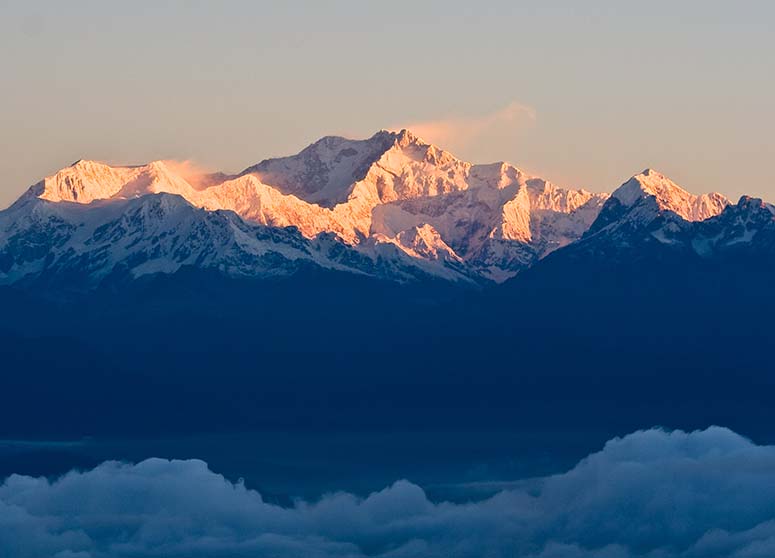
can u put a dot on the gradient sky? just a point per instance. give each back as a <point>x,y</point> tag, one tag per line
<point>583,93</point>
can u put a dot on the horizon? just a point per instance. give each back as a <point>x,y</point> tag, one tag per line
<point>553,90</point>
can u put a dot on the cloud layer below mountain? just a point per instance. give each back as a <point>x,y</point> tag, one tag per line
<point>652,493</point>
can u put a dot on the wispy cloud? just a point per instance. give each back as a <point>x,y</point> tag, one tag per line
<point>199,176</point>
<point>457,133</point>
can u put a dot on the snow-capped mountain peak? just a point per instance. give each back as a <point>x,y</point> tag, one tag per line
<point>650,213</point>
<point>86,181</point>
<point>667,195</point>
<point>324,172</point>
<point>327,172</point>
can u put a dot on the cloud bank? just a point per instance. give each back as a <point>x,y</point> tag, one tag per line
<point>651,494</point>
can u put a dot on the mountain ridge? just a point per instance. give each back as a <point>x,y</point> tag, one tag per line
<point>391,204</point>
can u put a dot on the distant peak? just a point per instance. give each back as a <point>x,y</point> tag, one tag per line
<point>160,165</point>
<point>328,141</point>
<point>645,184</point>
<point>401,138</point>
<point>750,203</point>
<point>652,173</point>
<point>383,138</point>
<point>651,184</point>
<point>407,137</point>
<point>87,163</point>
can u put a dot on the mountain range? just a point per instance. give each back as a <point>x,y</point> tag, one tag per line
<point>391,206</point>
<point>379,281</point>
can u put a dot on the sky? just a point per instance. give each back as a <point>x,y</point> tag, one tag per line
<point>584,94</point>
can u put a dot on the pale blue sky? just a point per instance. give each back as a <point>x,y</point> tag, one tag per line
<point>597,90</point>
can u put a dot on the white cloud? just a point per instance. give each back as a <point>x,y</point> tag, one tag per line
<point>458,133</point>
<point>652,494</point>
